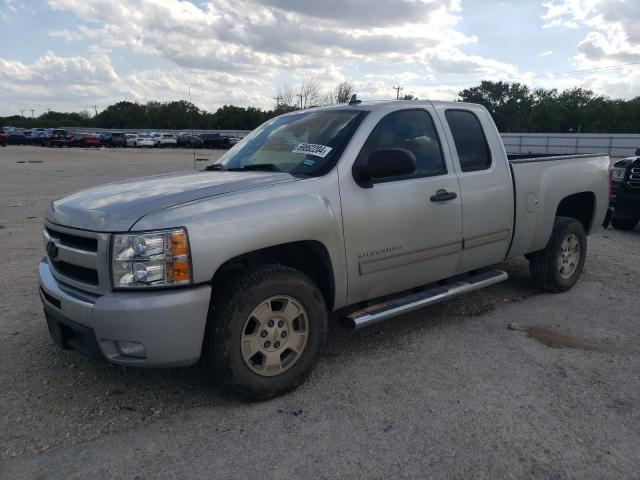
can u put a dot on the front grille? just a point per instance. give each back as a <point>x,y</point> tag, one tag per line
<point>78,258</point>
<point>82,274</point>
<point>73,241</point>
<point>634,178</point>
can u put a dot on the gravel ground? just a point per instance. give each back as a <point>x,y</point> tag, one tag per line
<point>446,392</point>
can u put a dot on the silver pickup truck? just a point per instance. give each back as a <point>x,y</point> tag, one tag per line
<point>372,209</point>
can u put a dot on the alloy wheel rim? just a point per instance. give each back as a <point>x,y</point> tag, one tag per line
<point>274,336</point>
<point>569,256</point>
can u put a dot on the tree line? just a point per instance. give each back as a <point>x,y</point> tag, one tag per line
<point>515,108</point>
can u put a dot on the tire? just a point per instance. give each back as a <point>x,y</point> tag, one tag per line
<point>232,324</point>
<point>556,268</point>
<point>624,223</point>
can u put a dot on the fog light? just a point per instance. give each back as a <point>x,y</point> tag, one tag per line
<point>131,349</point>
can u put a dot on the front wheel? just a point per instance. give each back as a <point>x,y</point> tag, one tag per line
<point>265,331</point>
<point>624,223</point>
<point>558,266</point>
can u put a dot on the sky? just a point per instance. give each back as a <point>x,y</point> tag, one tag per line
<point>75,55</point>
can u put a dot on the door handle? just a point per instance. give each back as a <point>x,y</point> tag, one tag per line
<point>442,196</point>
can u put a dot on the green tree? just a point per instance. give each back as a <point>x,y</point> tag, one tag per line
<point>510,104</point>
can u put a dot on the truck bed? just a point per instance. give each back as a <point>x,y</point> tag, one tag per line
<point>541,181</point>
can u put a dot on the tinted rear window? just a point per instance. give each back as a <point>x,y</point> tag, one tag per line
<point>471,143</point>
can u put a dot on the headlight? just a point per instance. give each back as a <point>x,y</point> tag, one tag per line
<point>151,259</point>
<point>617,174</point>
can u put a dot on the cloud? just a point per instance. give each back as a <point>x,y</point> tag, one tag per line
<point>52,81</point>
<point>230,52</point>
<point>614,28</point>
<point>267,37</point>
<point>545,54</point>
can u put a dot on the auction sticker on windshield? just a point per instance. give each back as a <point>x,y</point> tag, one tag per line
<point>313,149</point>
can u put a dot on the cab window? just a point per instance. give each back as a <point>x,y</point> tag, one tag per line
<point>471,144</point>
<point>412,130</point>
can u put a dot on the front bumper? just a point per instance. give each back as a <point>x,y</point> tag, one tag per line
<point>625,204</point>
<point>168,323</point>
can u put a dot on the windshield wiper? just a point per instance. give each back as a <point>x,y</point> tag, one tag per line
<point>263,167</point>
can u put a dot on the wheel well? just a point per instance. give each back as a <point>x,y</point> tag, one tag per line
<point>309,257</point>
<point>580,206</point>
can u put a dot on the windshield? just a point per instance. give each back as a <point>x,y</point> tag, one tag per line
<point>308,143</point>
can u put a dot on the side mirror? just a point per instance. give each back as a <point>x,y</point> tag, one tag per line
<point>392,162</point>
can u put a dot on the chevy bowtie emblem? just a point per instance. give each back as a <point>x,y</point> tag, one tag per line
<point>52,250</point>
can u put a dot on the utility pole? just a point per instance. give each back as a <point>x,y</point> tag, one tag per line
<point>32,110</point>
<point>398,89</point>
<point>300,95</point>
<point>277,99</point>
<point>95,108</point>
<point>22,112</point>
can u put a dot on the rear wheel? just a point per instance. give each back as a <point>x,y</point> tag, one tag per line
<point>624,223</point>
<point>265,330</point>
<point>558,267</point>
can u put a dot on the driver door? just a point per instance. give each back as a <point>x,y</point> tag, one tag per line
<point>401,233</point>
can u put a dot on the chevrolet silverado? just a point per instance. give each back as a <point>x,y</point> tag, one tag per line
<point>370,210</point>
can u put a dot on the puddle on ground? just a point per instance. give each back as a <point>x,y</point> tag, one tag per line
<point>551,338</point>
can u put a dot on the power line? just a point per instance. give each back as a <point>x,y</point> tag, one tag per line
<point>538,75</point>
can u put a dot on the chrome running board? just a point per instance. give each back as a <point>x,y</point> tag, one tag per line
<point>414,301</point>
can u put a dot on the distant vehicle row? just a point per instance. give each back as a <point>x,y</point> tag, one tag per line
<point>58,137</point>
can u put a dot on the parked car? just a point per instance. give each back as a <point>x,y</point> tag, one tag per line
<point>3,137</point>
<point>625,193</point>
<point>34,136</point>
<point>215,140</point>
<point>357,208</point>
<point>164,139</point>
<point>15,136</point>
<point>85,140</point>
<point>234,140</point>
<point>113,139</point>
<point>190,141</point>
<point>131,139</point>
<point>59,138</point>
<point>144,140</point>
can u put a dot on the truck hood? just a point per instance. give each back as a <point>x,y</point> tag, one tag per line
<point>118,206</point>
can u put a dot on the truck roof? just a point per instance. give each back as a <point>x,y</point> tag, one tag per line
<point>392,105</point>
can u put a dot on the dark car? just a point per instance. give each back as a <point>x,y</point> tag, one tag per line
<point>34,136</point>
<point>113,139</point>
<point>190,141</point>
<point>625,193</point>
<point>59,138</point>
<point>82,139</point>
<point>15,136</point>
<point>215,140</point>
<point>30,136</point>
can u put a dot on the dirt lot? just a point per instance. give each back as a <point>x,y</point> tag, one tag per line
<point>447,392</point>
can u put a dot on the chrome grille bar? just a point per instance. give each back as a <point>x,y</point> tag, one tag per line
<point>78,258</point>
